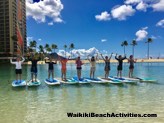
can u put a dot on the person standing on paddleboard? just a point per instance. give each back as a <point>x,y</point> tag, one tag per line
<point>63,62</point>
<point>107,65</point>
<point>51,68</point>
<point>119,67</point>
<point>93,65</point>
<point>131,61</point>
<point>34,69</point>
<point>18,68</point>
<point>78,67</point>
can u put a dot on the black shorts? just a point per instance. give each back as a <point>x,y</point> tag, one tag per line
<point>18,71</point>
<point>131,67</point>
<point>119,68</point>
<point>34,70</point>
<point>78,68</point>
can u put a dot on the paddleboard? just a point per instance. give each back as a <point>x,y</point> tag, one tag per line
<point>113,78</point>
<point>52,82</point>
<point>81,80</point>
<point>34,83</point>
<point>69,81</point>
<point>94,80</point>
<point>18,83</point>
<point>146,79</point>
<point>110,81</point>
<point>132,79</point>
<point>104,80</point>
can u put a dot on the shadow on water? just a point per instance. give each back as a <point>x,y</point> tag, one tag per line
<point>18,88</point>
<point>153,83</point>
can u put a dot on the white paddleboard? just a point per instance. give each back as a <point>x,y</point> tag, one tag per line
<point>52,82</point>
<point>104,80</point>
<point>81,80</point>
<point>34,83</point>
<point>69,81</point>
<point>19,83</point>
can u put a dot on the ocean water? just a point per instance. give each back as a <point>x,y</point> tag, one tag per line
<point>50,104</point>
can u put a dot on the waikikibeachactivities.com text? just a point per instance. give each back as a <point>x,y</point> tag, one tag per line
<point>91,114</point>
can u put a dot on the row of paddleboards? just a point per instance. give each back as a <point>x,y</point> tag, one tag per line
<point>75,80</point>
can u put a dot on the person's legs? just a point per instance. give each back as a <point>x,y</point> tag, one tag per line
<point>64,74</point>
<point>52,74</point>
<point>32,76</point>
<point>120,73</point>
<point>80,73</point>
<point>117,73</point>
<point>17,77</point>
<point>48,74</point>
<point>35,77</point>
<point>91,72</point>
<point>108,74</point>
<point>132,73</point>
<point>20,75</point>
<point>129,73</point>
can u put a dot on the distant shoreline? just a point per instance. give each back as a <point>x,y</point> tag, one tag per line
<point>112,61</point>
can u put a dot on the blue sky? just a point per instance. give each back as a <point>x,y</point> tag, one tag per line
<point>102,24</point>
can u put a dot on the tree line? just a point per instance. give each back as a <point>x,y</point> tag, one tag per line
<point>124,44</point>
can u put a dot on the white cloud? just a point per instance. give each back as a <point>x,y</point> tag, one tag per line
<point>160,23</point>
<point>79,52</point>
<point>103,40</point>
<point>50,23</point>
<point>39,11</point>
<point>105,16</point>
<point>39,39</point>
<point>132,1</point>
<point>142,6</point>
<point>144,28</point>
<point>29,39</point>
<point>121,12</point>
<point>141,34</point>
<point>153,37</point>
<point>159,6</point>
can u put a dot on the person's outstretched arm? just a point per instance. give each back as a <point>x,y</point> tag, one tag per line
<point>12,61</point>
<point>88,59</point>
<point>46,61</point>
<point>102,57</point>
<point>97,56</point>
<point>116,57</point>
<point>111,56</point>
<point>124,57</point>
<point>23,59</point>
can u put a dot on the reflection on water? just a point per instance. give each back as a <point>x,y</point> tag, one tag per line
<point>49,104</point>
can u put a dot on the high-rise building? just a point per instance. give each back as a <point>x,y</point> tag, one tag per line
<point>12,27</point>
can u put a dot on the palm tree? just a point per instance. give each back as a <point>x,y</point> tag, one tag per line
<point>33,44</point>
<point>49,49</point>
<point>54,47</point>
<point>134,43</point>
<point>124,44</point>
<point>149,40</point>
<point>41,49</point>
<point>71,47</point>
<point>65,47</point>
<point>46,47</point>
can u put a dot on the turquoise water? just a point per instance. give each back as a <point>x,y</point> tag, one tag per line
<point>50,104</point>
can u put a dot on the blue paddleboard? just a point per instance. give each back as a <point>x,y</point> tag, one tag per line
<point>81,80</point>
<point>18,83</point>
<point>34,83</point>
<point>52,81</point>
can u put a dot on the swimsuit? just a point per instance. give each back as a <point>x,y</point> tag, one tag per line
<point>107,66</point>
<point>120,61</point>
